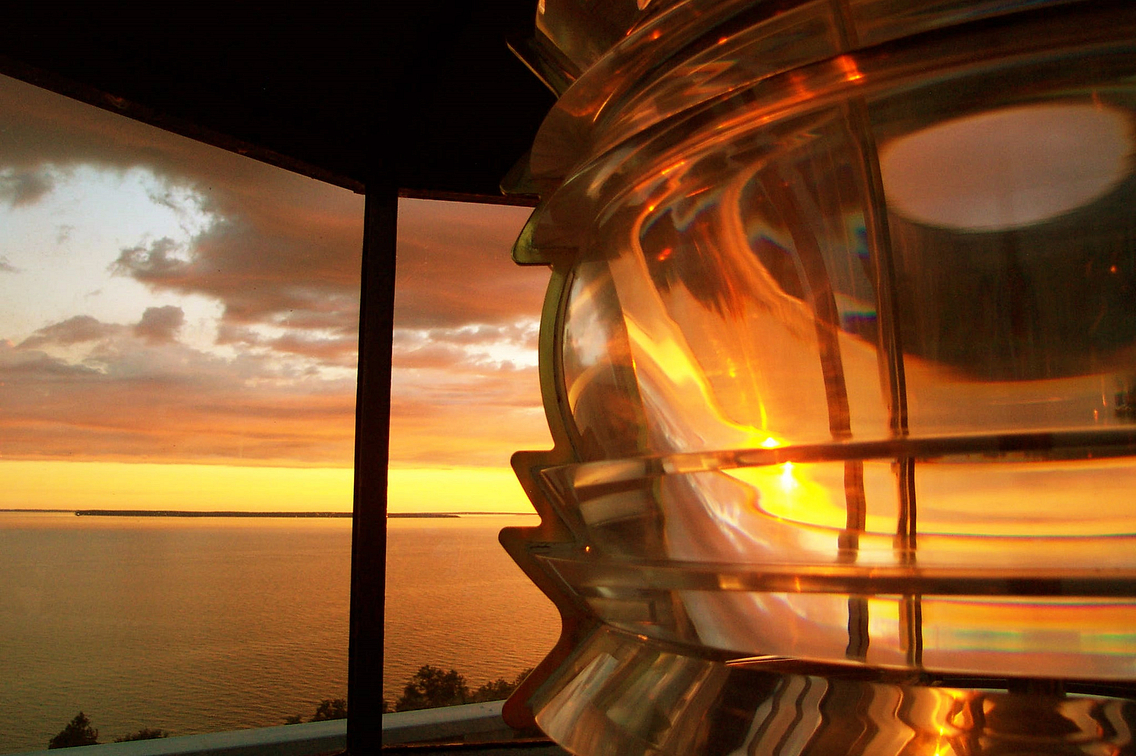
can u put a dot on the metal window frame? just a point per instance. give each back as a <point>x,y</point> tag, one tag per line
<point>372,453</point>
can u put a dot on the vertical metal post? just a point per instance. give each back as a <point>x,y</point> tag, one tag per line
<point>372,447</point>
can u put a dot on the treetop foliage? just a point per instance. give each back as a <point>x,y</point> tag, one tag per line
<point>428,688</point>
<point>432,686</point>
<point>78,732</point>
<point>330,709</point>
<point>146,733</point>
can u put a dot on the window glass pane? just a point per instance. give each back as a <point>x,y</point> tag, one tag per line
<point>178,331</point>
<point>465,396</point>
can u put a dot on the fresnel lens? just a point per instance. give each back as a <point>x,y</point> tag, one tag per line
<point>840,362</point>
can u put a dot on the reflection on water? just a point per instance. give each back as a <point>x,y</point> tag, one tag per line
<point>193,625</point>
<point>455,599</point>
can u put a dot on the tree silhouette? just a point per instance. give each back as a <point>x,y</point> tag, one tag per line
<point>78,732</point>
<point>146,733</point>
<point>330,709</point>
<point>431,687</point>
<point>499,689</point>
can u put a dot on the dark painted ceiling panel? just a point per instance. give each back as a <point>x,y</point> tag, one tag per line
<point>425,91</point>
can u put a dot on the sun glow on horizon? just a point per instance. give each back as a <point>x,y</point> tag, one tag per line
<point>455,489</point>
<point>69,485</point>
<point>52,484</point>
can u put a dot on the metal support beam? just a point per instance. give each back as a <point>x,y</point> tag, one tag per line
<point>372,447</point>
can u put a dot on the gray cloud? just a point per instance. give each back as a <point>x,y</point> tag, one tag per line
<point>236,336</point>
<point>24,187</point>
<point>280,244</point>
<point>265,267</point>
<point>284,249</point>
<point>31,367</point>
<point>160,324</point>
<point>76,330</point>
<point>161,260</point>
<point>7,267</point>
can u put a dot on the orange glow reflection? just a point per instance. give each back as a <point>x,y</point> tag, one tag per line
<point>848,65</point>
<point>787,491</point>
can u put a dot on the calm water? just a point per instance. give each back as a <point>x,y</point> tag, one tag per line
<point>196,625</point>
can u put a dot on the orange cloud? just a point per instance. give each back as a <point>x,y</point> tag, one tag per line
<point>454,266</point>
<point>281,253</point>
<point>168,402</point>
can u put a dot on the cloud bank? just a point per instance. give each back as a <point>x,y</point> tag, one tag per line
<point>280,254</point>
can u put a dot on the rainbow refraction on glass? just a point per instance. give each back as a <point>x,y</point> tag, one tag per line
<point>839,357</point>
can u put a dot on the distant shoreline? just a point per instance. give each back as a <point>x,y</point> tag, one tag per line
<point>186,513</point>
<point>230,513</point>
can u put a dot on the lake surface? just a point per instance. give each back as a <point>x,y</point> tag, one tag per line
<point>193,625</point>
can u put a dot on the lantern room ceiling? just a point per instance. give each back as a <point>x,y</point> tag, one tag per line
<point>423,94</point>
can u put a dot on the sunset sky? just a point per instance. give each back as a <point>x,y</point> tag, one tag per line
<point>178,329</point>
